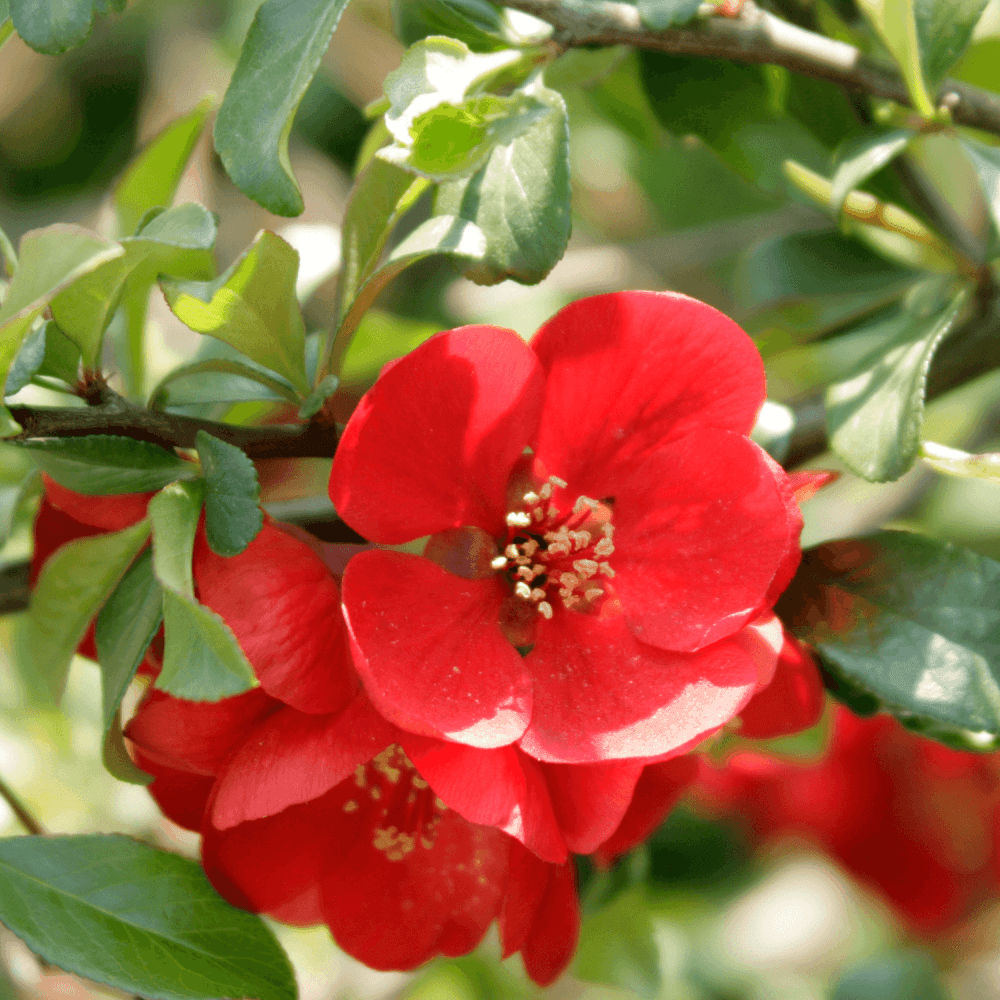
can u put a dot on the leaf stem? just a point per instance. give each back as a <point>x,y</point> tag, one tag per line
<point>20,810</point>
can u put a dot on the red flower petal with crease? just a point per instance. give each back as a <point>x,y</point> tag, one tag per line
<point>697,543</point>
<point>591,799</point>
<point>793,701</point>
<point>181,795</point>
<point>555,929</point>
<point>283,606</point>
<point>196,736</point>
<point>292,757</point>
<point>430,652</point>
<point>432,444</point>
<point>630,371</point>
<point>503,788</point>
<point>665,702</point>
<point>656,793</point>
<point>109,513</point>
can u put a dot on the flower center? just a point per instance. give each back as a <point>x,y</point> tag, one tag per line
<point>406,812</point>
<point>552,554</point>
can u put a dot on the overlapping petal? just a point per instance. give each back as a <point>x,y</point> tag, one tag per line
<point>432,444</point>
<point>429,650</point>
<point>109,513</point>
<point>630,371</point>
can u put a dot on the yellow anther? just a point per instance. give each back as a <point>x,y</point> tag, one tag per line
<point>546,491</point>
<point>545,609</point>
<point>604,547</point>
<point>526,573</point>
<point>530,498</point>
<point>592,595</point>
<point>523,590</point>
<point>518,519</point>
<point>569,580</point>
<point>538,594</point>
<point>586,568</point>
<point>539,514</point>
<point>530,547</point>
<point>499,562</point>
<point>552,512</point>
<point>581,539</point>
<point>511,552</point>
<point>606,569</point>
<point>556,481</point>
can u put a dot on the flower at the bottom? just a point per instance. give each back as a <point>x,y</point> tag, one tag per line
<point>912,819</point>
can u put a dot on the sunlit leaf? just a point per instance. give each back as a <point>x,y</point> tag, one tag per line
<point>944,30</point>
<point>863,156</point>
<point>954,462</point>
<point>279,58</point>
<point>141,920</point>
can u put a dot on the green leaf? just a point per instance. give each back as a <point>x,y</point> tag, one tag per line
<point>953,462</point>
<point>202,661</point>
<point>875,415</point>
<point>618,947</point>
<point>382,194</point>
<point>177,241</point>
<point>7,254</point>
<point>125,627</point>
<point>911,975</point>
<point>52,26</point>
<point>29,359</point>
<point>225,366</point>
<point>896,23</point>
<point>660,14</point>
<point>986,162</point>
<point>909,620</point>
<point>104,464</point>
<point>773,429</point>
<point>313,403</point>
<point>280,56</point>
<point>153,176</point>
<point>73,584</point>
<point>380,338</point>
<point>233,517</point>
<point>944,30</point>
<point>142,920</point>
<point>863,156</point>
<point>62,356</point>
<point>13,496</point>
<point>8,425</point>
<point>520,199</point>
<point>481,25</point>
<point>50,260</point>
<point>251,307</point>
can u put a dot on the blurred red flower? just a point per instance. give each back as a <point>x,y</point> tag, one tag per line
<point>605,597</point>
<point>912,819</point>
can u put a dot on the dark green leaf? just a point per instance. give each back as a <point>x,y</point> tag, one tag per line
<point>233,517</point>
<point>859,158</point>
<point>483,26</point>
<point>875,415</point>
<point>153,176</point>
<point>130,618</point>
<point>72,586</point>
<point>618,948</point>
<point>279,388</point>
<point>907,976</point>
<point>29,359</point>
<point>251,307</point>
<point>62,356</point>
<point>130,916</point>
<point>911,621</point>
<point>660,14</point>
<point>520,199</point>
<point>202,661</point>
<point>52,26</point>
<point>104,464</point>
<point>944,30</point>
<point>280,55</point>
<point>313,403</point>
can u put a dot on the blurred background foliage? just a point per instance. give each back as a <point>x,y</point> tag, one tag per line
<point>694,914</point>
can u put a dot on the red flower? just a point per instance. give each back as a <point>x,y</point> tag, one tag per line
<point>601,598</point>
<point>912,819</point>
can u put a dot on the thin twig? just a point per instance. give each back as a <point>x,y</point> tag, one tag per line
<point>18,808</point>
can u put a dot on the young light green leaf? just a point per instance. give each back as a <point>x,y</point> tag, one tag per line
<point>251,307</point>
<point>73,584</point>
<point>105,464</point>
<point>144,921</point>
<point>520,199</point>
<point>225,366</point>
<point>660,14</point>
<point>911,621</point>
<point>874,416</point>
<point>52,26</point>
<point>895,21</point>
<point>177,242</point>
<point>859,158</point>
<point>313,403</point>
<point>152,177</point>
<point>13,496</point>
<point>280,55</point>
<point>233,517</point>
<point>202,661</point>
<point>125,627</point>
<point>381,337</point>
<point>954,462</point>
<point>8,257</point>
<point>944,30</point>
<point>62,356</point>
<point>8,425</point>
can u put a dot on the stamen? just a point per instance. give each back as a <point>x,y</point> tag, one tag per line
<point>604,547</point>
<point>499,562</point>
<point>538,594</point>
<point>545,609</point>
<point>581,539</point>
<point>552,512</point>
<point>530,547</point>
<point>511,552</point>
<point>530,498</point>
<point>569,580</point>
<point>584,502</point>
<point>592,595</point>
<point>585,567</point>
<point>518,519</point>
<point>556,481</point>
<point>546,491</point>
<point>523,590</point>
<point>539,514</point>
<point>606,569</point>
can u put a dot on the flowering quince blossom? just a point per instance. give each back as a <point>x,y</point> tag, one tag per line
<point>914,820</point>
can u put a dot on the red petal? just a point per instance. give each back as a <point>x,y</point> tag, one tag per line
<point>701,529</point>
<point>432,444</point>
<point>181,795</point>
<point>53,529</point>
<point>630,371</point>
<point>591,799</point>
<point>283,606</point>
<point>527,879</point>
<point>656,793</point>
<point>293,757</point>
<point>600,694</point>
<point>555,929</point>
<point>430,651</point>
<point>196,736</point>
<point>109,513</point>
<point>807,483</point>
<point>501,787</point>
<point>793,701</point>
